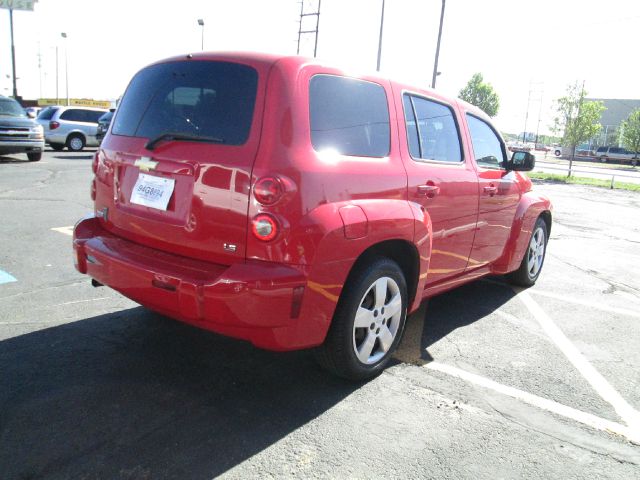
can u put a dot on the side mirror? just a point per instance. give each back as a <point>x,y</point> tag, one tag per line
<point>31,114</point>
<point>521,162</point>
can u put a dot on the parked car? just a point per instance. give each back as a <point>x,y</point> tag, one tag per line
<point>287,203</point>
<point>19,133</point>
<point>71,127</point>
<point>32,112</point>
<point>103,124</point>
<point>604,154</point>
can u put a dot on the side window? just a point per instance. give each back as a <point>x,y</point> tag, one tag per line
<point>72,115</point>
<point>349,116</point>
<point>487,146</point>
<point>93,116</point>
<point>431,130</point>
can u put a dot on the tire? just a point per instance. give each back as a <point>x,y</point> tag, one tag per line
<point>76,142</point>
<point>34,156</point>
<point>368,323</point>
<point>533,259</point>
<point>57,146</point>
<point>634,162</point>
<point>557,153</point>
<point>603,159</point>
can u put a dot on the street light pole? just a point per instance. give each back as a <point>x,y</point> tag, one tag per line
<point>66,64</point>
<point>201,23</point>
<point>435,62</point>
<point>13,55</point>
<point>57,78</point>
<point>380,37</point>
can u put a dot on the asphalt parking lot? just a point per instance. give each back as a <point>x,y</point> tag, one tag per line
<point>489,382</point>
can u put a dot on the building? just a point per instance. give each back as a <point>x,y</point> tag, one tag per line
<point>617,111</point>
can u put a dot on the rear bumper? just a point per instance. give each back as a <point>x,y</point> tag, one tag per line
<point>255,301</point>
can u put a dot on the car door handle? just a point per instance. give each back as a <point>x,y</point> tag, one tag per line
<point>491,190</point>
<point>429,190</point>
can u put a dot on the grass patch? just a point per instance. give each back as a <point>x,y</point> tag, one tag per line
<point>594,182</point>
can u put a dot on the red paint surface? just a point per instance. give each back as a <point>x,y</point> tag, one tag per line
<point>180,262</point>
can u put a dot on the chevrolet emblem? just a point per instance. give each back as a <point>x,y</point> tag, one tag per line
<point>145,164</point>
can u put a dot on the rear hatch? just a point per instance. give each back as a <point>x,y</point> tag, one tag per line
<point>174,172</point>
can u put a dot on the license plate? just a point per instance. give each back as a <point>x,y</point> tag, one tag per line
<point>152,191</point>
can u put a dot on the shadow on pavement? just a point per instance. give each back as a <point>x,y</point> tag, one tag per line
<point>441,315</point>
<point>88,156</point>
<point>132,394</point>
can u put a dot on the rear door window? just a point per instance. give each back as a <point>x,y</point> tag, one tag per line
<point>93,116</point>
<point>349,116</point>
<point>195,98</point>
<point>431,130</point>
<point>73,115</point>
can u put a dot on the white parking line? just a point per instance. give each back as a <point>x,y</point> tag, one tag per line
<point>628,414</point>
<point>588,419</point>
<point>65,230</point>
<point>586,303</point>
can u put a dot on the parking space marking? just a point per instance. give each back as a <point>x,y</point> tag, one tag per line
<point>626,412</point>
<point>6,277</point>
<point>586,303</point>
<point>588,419</point>
<point>65,230</point>
<point>80,301</point>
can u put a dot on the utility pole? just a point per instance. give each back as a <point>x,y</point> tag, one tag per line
<point>57,78</point>
<point>305,29</point>
<point>435,62</point>
<point>66,63</point>
<point>13,56</point>
<point>380,37</point>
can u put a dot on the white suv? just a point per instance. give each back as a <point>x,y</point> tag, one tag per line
<point>605,154</point>
<point>71,127</point>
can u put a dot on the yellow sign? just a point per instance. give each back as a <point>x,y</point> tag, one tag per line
<point>76,102</point>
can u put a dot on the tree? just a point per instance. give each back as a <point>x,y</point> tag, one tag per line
<point>577,119</point>
<point>481,95</point>
<point>631,132</point>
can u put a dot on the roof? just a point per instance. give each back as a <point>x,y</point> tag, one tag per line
<point>617,110</point>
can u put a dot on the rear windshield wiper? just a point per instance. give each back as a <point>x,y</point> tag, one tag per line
<point>168,136</point>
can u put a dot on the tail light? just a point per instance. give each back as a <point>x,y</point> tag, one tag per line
<point>53,125</point>
<point>268,190</point>
<point>264,227</point>
<point>94,164</point>
<point>93,190</point>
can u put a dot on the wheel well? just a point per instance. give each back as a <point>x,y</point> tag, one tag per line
<point>546,216</point>
<point>403,253</point>
<point>76,134</point>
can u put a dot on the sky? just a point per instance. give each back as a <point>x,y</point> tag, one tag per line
<point>529,51</point>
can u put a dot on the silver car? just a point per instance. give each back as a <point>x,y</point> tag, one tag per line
<point>71,127</point>
<point>18,133</point>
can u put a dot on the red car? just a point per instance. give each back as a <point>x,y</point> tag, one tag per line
<point>287,203</point>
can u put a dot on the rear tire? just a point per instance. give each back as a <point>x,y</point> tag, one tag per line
<point>368,322</point>
<point>57,146</point>
<point>76,142</point>
<point>603,159</point>
<point>533,259</point>
<point>34,156</point>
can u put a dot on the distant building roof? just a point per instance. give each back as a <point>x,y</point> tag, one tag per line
<point>617,110</point>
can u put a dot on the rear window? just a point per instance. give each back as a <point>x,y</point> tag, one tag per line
<point>349,116</point>
<point>195,98</point>
<point>47,113</point>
